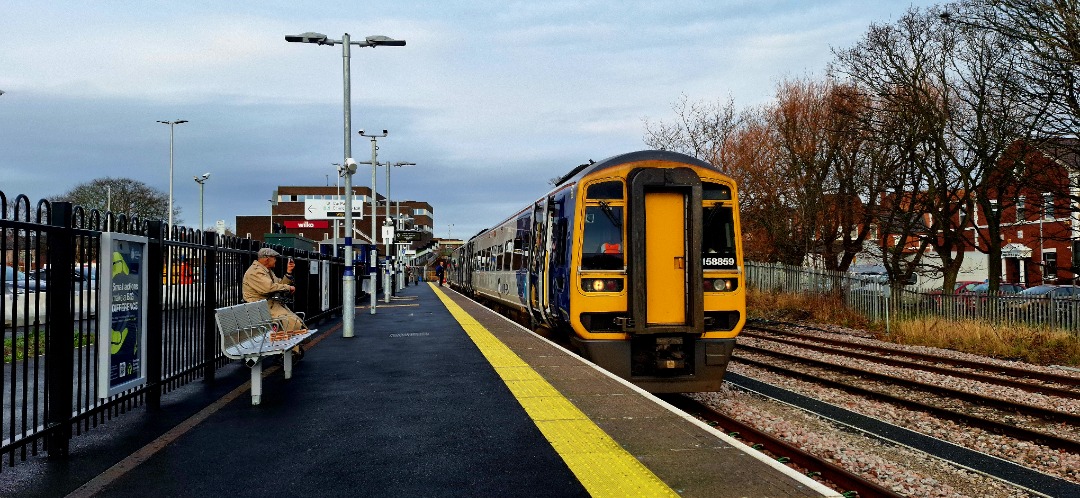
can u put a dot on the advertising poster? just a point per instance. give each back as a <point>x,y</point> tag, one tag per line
<point>122,313</point>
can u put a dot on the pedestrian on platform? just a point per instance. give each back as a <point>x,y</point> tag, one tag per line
<point>439,272</point>
<point>260,282</point>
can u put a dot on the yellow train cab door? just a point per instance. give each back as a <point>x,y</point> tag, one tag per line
<point>665,258</point>
<point>665,287</point>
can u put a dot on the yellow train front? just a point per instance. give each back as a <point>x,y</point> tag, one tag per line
<point>637,258</point>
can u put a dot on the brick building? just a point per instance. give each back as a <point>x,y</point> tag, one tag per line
<point>287,215</point>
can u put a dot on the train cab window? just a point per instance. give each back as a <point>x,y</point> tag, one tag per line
<point>602,242</point>
<point>605,190</point>
<point>718,238</point>
<point>715,192</point>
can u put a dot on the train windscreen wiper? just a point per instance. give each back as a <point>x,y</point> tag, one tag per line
<point>610,214</point>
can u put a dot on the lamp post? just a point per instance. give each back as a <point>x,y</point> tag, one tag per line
<point>172,127</point>
<point>201,180</point>
<point>337,192</point>
<point>348,281</point>
<point>373,254</point>
<point>387,285</point>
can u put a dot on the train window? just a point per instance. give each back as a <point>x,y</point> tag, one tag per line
<point>715,192</point>
<point>559,248</point>
<point>718,238</point>
<point>605,190</point>
<point>602,242</point>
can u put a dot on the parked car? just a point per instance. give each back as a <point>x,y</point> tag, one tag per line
<point>1046,303</point>
<point>935,297</point>
<point>1003,288</point>
<point>79,275</point>
<point>19,282</point>
<point>24,295</point>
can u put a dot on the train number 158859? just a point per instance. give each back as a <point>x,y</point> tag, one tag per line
<point>714,262</point>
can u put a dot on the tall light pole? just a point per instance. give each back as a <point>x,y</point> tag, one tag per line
<point>348,281</point>
<point>387,285</point>
<point>373,274</point>
<point>337,192</point>
<point>172,128</point>
<point>201,180</point>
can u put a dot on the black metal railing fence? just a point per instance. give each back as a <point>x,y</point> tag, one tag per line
<point>49,380</point>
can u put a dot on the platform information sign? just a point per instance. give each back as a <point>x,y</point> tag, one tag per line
<point>330,209</point>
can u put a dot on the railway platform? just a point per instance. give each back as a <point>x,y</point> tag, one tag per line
<point>434,396</point>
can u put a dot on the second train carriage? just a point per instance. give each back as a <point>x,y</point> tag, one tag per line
<point>637,258</point>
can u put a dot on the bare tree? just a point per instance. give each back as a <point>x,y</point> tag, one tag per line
<point>130,197</point>
<point>701,129</point>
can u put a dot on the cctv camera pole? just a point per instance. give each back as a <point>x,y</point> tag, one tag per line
<point>201,180</point>
<point>348,280</point>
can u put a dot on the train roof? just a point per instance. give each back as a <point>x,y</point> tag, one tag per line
<point>630,157</point>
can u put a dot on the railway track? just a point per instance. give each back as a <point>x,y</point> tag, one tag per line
<point>783,452</point>
<point>958,416</point>
<point>983,463</point>
<point>886,375</point>
<point>928,363</point>
<point>915,395</point>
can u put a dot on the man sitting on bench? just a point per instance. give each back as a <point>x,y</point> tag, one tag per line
<point>261,283</point>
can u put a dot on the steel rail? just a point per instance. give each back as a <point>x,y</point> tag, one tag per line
<point>952,372</point>
<point>972,420</point>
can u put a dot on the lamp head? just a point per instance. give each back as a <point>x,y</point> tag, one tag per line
<point>308,37</point>
<point>377,40</point>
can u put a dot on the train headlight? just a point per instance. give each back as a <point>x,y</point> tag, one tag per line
<point>602,284</point>
<point>721,284</point>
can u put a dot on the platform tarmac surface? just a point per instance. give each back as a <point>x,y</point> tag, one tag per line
<point>420,403</point>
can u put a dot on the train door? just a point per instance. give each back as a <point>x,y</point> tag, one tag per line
<point>665,258</point>
<point>538,260</point>
<point>664,239</point>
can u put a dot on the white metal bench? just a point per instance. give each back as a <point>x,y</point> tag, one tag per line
<point>248,333</point>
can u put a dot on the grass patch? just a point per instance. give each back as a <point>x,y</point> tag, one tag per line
<point>31,345</point>
<point>1037,345</point>
<point>821,308</point>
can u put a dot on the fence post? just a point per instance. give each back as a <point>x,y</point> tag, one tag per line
<point>209,283</point>
<point>154,323</point>
<point>60,344</point>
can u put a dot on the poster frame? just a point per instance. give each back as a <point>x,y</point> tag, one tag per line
<point>139,247</point>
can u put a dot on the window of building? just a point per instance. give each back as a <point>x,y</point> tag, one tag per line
<point>1020,209</point>
<point>1050,266</point>
<point>1048,206</point>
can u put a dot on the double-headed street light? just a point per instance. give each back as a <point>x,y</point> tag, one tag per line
<point>390,243</point>
<point>201,180</point>
<point>348,290</point>
<point>373,274</point>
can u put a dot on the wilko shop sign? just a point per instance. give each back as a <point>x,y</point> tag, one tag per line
<point>307,224</point>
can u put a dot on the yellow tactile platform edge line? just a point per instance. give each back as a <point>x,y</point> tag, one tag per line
<point>600,464</point>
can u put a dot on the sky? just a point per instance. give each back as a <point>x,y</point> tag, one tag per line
<point>490,99</point>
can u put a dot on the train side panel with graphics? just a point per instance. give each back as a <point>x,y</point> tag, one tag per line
<point>637,258</point>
